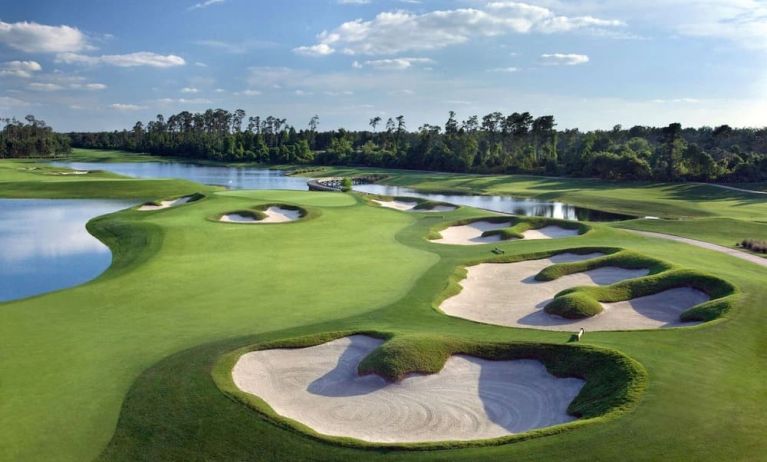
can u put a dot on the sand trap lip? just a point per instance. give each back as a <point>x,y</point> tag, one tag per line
<point>471,234</point>
<point>410,206</point>
<point>507,294</point>
<point>274,214</point>
<point>166,204</point>
<point>469,399</point>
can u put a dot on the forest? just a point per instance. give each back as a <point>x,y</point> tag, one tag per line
<point>494,143</point>
<point>31,138</point>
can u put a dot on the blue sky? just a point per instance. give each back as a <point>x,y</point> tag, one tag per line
<point>95,65</point>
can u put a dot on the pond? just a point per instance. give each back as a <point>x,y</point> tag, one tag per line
<point>505,204</point>
<point>259,178</point>
<point>229,177</point>
<point>46,247</point>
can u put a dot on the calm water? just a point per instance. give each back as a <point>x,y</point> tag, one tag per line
<point>256,178</point>
<point>230,177</point>
<point>506,204</point>
<point>44,245</point>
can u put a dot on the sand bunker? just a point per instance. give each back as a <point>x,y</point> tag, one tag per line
<point>166,204</point>
<point>397,205</point>
<point>471,234</point>
<point>469,399</point>
<point>409,206</point>
<point>507,294</point>
<point>274,214</point>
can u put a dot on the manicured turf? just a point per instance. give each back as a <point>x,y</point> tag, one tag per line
<point>140,343</point>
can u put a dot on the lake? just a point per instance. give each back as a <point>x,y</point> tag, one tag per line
<point>45,246</point>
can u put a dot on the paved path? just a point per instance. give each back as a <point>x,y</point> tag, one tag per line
<point>706,245</point>
<point>733,188</point>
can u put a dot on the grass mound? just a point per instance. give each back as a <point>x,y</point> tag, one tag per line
<point>623,259</point>
<point>574,306</point>
<point>520,225</point>
<point>720,292</point>
<point>614,382</point>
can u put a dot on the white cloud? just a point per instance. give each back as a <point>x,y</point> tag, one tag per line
<point>88,86</point>
<point>126,107</point>
<point>39,86</point>
<point>199,64</point>
<point>9,102</point>
<point>321,49</point>
<point>393,64</point>
<point>140,58</point>
<point>403,31</point>
<point>184,101</point>
<point>677,101</point>
<point>339,93</point>
<point>189,90</point>
<point>205,4</point>
<point>507,70</point>
<point>32,37</point>
<point>353,2</point>
<point>236,47</point>
<point>563,59</point>
<point>23,69</point>
<point>250,92</point>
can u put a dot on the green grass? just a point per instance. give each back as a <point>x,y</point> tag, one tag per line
<point>574,306</point>
<point>122,368</point>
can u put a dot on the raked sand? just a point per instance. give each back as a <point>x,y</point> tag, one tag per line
<point>470,398</point>
<point>471,234</point>
<point>507,294</point>
<point>273,215</point>
<point>166,204</point>
<point>408,206</point>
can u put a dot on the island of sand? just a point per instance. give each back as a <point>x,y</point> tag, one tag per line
<point>469,399</point>
<point>508,294</point>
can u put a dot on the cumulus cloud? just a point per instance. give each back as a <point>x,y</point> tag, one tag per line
<point>393,64</point>
<point>32,37</point>
<point>23,69</point>
<point>140,58</point>
<point>320,49</point>
<point>353,2</point>
<point>126,107</point>
<point>189,90</point>
<point>88,86</point>
<point>402,31</point>
<point>563,59</point>
<point>40,86</point>
<point>205,4</point>
<point>507,70</point>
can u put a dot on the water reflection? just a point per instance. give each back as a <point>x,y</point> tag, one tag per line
<point>258,178</point>
<point>505,204</point>
<point>230,177</point>
<point>44,245</point>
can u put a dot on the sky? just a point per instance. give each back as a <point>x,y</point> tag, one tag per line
<point>92,65</point>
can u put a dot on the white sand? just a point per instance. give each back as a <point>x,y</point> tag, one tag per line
<point>408,206</point>
<point>549,232</point>
<point>471,234</point>
<point>397,205</point>
<point>469,399</point>
<point>273,215</point>
<point>507,294</point>
<point>166,204</point>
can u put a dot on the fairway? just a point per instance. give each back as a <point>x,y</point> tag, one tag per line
<point>134,350</point>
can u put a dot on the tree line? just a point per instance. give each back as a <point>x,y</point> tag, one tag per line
<point>30,138</point>
<point>493,143</point>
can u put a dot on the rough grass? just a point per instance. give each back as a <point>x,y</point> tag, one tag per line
<point>614,382</point>
<point>623,259</point>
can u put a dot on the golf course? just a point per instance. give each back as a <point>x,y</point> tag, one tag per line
<point>278,324</point>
